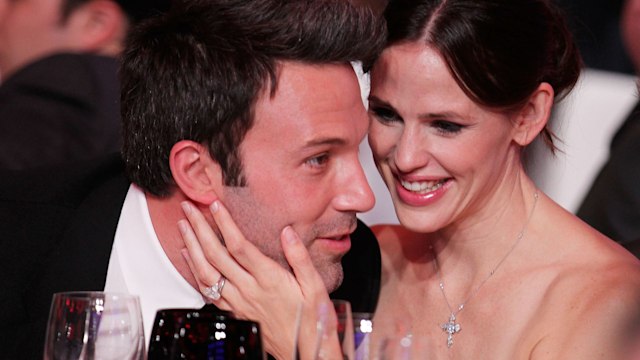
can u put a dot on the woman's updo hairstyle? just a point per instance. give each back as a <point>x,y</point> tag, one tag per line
<point>498,51</point>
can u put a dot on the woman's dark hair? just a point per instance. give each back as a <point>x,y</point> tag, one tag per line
<point>498,51</point>
<point>196,72</point>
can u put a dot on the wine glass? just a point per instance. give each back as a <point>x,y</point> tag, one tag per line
<point>206,333</point>
<point>362,328</point>
<point>335,319</point>
<point>94,326</point>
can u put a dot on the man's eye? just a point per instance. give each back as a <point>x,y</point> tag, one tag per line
<point>318,161</point>
<point>384,115</point>
<point>447,127</point>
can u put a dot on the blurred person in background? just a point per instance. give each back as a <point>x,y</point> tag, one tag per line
<point>58,66</point>
<point>612,205</point>
<point>206,105</point>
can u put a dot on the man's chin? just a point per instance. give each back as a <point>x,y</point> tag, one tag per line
<point>332,274</point>
<point>332,277</point>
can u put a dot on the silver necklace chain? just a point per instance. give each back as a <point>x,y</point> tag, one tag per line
<point>452,326</point>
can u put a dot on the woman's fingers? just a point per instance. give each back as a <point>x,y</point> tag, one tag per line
<point>229,290</point>
<point>203,231</point>
<point>209,258</point>
<point>204,273</point>
<point>242,250</point>
<point>257,287</point>
<point>298,257</point>
<point>314,291</point>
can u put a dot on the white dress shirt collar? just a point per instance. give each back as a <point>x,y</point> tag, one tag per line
<point>138,264</point>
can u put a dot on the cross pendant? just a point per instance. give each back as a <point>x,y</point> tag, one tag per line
<point>451,328</point>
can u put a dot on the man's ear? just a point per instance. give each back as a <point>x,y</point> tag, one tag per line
<point>197,175</point>
<point>531,119</point>
<point>99,26</point>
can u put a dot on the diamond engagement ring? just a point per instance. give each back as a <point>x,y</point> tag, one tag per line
<point>215,292</point>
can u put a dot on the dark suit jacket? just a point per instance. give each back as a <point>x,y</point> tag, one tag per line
<point>56,234</point>
<point>58,109</point>
<point>612,205</point>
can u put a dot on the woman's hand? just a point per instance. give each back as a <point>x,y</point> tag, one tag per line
<point>257,287</point>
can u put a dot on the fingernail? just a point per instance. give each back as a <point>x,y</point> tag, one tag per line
<point>182,226</point>
<point>215,206</point>
<point>289,234</point>
<point>186,207</point>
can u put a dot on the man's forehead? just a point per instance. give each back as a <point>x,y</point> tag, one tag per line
<point>285,70</point>
<point>320,87</point>
<point>313,105</point>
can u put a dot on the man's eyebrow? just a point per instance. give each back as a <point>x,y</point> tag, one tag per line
<point>324,141</point>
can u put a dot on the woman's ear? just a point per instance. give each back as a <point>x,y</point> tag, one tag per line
<point>196,174</point>
<point>533,116</point>
<point>98,26</point>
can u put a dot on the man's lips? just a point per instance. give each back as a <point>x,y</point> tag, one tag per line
<point>337,243</point>
<point>337,238</point>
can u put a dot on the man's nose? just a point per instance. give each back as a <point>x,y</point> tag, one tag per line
<point>354,193</point>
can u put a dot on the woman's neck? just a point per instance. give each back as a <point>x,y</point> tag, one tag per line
<point>473,246</point>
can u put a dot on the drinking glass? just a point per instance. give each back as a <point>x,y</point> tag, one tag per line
<point>206,333</point>
<point>94,326</point>
<point>362,328</point>
<point>335,321</point>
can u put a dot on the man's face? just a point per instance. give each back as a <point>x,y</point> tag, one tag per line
<point>300,161</point>
<point>29,29</point>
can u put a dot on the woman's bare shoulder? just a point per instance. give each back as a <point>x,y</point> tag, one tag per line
<point>587,260</point>
<point>596,307</point>
<point>594,292</point>
<point>567,240</point>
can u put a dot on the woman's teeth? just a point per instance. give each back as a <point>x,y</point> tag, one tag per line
<point>422,186</point>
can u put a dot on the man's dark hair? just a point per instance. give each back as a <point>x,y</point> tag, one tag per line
<point>196,72</point>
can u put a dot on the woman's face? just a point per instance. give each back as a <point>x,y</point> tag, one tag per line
<point>442,156</point>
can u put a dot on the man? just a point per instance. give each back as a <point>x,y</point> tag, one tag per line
<point>252,103</point>
<point>612,205</point>
<point>59,93</point>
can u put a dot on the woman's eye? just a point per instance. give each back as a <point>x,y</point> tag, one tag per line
<point>318,161</point>
<point>384,114</point>
<point>447,127</point>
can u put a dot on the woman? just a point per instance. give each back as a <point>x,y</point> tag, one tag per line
<point>485,265</point>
